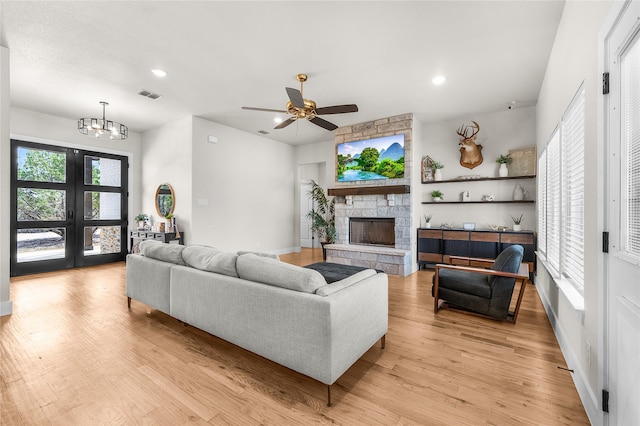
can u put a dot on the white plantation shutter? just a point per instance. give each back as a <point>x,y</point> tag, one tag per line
<point>572,159</point>
<point>553,202</point>
<point>630,139</point>
<point>542,202</point>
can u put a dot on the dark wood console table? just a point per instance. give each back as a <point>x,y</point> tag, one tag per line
<point>164,237</point>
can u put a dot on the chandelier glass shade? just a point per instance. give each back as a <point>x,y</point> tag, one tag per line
<point>101,127</point>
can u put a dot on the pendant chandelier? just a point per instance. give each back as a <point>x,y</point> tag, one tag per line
<point>99,127</point>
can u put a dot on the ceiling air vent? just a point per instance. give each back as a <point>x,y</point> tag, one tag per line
<point>149,95</point>
<point>263,132</point>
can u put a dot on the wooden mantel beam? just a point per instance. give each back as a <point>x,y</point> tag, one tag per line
<point>370,190</point>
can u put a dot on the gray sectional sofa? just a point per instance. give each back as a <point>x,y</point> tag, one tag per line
<point>285,313</point>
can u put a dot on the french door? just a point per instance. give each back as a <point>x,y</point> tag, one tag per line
<point>622,280</point>
<point>68,207</point>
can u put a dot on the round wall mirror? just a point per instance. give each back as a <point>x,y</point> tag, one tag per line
<point>165,200</point>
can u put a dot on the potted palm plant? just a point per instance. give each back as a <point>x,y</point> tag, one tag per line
<point>323,216</point>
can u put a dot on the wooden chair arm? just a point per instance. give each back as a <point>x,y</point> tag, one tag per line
<point>517,275</point>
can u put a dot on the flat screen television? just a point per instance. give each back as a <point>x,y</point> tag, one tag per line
<point>371,159</point>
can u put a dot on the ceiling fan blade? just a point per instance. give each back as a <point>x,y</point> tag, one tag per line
<point>264,109</point>
<point>337,109</point>
<point>285,123</point>
<point>296,97</point>
<point>323,123</point>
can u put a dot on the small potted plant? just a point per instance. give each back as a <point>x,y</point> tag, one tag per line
<point>437,170</point>
<point>427,220</point>
<point>141,219</point>
<point>517,222</point>
<point>437,195</point>
<point>503,160</point>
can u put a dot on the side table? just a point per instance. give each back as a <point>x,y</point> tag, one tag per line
<point>165,237</point>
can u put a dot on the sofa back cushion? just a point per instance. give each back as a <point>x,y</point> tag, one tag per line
<point>276,273</point>
<point>210,259</point>
<point>259,253</point>
<point>158,250</point>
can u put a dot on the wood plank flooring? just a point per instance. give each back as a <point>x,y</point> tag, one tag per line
<point>73,354</point>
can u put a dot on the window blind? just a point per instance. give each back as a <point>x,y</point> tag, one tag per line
<point>630,135</point>
<point>542,202</point>
<point>572,168</point>
<point>553,201</point>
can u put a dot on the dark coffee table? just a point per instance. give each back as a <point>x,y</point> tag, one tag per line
<point>333,272</point>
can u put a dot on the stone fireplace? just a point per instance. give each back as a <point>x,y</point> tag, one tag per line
<point>385,205</point>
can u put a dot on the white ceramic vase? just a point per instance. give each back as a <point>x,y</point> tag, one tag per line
<point>517,227</point>
<point>438,174</point>
<point>503,171</point>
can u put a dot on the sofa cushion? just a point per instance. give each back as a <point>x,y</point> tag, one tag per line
<point>273,272</point>
<point>210,259</point>
<point>158,250</point>
<point>344,283</point>
<point>258,253</point>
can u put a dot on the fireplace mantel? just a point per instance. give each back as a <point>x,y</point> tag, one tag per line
<point>370,190</point>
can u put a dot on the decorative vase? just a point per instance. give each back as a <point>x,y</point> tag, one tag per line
<point>141,224</point>
<point>517,227</point>
<point>503,171</point>
<point>438,174</point>
<point>437,198</point>
<point>518,193</point>
<point>427,225</point>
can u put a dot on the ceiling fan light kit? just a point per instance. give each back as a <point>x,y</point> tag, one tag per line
<point>98,127</point>
<point>299,108</point>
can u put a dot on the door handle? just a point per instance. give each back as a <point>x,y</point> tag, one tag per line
<point>70,214</point>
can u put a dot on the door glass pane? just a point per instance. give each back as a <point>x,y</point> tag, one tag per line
<point>41,166</point>
<point>102,240</point>
<point>101,171</point>
<point>630,120</point>
<point>41,204</point>
<point>101,205</point>
<point>41,244</point>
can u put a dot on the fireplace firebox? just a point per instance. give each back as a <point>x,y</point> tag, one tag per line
<point>372,231</point>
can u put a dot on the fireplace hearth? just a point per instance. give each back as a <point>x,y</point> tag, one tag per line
<point>372,231</point>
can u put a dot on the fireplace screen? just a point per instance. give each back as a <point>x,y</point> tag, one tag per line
<point>372,231</point>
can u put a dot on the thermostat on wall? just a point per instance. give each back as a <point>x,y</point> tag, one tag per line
<point>469,226</point>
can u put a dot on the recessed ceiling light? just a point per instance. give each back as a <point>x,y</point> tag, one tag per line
<point>438,80</point>
<point>159,73</point>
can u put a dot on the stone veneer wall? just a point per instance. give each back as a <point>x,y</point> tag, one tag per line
<point>398,206</point>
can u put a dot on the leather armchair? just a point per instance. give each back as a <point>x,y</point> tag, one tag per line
<point>484,291</point>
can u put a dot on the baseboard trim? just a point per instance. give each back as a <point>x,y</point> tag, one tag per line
<point>6,308</point>
<point>588,398</point>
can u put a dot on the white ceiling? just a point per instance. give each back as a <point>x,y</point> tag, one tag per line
<point>381,55</point>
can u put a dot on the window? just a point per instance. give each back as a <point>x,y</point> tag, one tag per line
<point>561,197</point>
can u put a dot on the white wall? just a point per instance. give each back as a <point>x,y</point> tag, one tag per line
<point>167,153</point>
<point>5,178</point>
<point>573,60</point>
<point>248,183</point>
<point>499,132</point>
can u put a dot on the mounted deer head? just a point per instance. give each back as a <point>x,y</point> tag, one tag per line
<point>470,152</point>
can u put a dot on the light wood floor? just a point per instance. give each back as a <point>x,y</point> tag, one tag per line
<point>72,354</point>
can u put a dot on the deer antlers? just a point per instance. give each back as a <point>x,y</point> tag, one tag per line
<point>463,130</point>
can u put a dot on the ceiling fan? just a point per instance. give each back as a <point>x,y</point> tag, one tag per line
<point>300,108</point>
